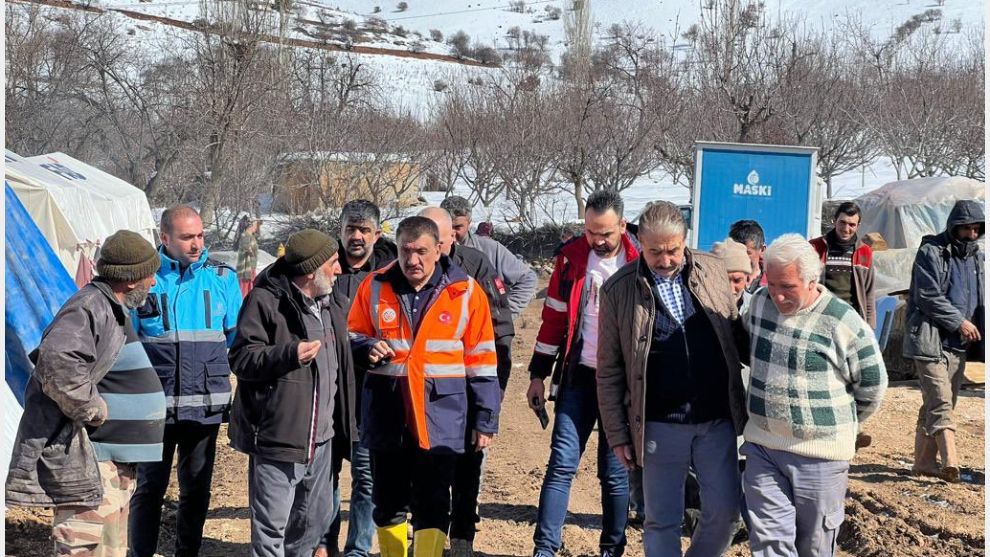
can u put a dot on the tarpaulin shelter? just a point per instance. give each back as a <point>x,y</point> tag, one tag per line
<point>36,286</point>
<point>905,211</point>
<point>75,205</point>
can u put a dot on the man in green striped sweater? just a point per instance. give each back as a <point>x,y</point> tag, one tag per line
<point>816,375</point>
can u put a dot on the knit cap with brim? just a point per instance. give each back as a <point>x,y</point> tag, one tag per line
<point>734,255</point>
<point>307,250</point>
<point>127,257</point>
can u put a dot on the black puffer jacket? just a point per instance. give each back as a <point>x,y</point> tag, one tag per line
<point>273,407</point>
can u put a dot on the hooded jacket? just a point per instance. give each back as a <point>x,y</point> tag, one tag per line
<point>53,461</point>
<point>930,314</point>
<point>274,406</point>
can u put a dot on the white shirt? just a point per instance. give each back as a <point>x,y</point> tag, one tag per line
<point>599,270</point>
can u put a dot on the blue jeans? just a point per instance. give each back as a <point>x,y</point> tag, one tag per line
<point>576,413</point>
<point>669,450</point>
<point>361,527</point>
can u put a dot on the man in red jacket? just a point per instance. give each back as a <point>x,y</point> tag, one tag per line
<point>848,270</point>
<point>567,345</point>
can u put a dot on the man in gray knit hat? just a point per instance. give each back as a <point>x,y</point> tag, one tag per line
<point>73,452</point>
<point>290,349</point>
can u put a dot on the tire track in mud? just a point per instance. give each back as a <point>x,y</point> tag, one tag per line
<point>876,528</point>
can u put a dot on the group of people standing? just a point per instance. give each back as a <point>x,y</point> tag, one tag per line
<point>395,357</point>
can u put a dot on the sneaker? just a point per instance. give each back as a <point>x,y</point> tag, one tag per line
<point>461,548</point>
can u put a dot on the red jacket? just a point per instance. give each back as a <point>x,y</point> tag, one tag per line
<point>559,333</point>
<point>862,276</point>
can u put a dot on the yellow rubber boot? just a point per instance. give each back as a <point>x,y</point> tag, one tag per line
<point>428,542</point>
<point>392,540</point>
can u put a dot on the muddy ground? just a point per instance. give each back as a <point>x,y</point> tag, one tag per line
<point>888,512</point>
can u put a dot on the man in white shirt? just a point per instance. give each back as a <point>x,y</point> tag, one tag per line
<point>567,347</point>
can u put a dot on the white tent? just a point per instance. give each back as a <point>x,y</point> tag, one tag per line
<point>76,205</point>
<point>905,211</point>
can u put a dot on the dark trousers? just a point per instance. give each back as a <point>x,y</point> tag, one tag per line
<point>464,495</point>
<point>197,447</point>
<point>412,480</point>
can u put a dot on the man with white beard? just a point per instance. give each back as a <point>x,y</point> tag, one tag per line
<point>291,347</point>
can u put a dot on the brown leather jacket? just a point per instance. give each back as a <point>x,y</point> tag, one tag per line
<point>53,462</point>
<point>625,329</point>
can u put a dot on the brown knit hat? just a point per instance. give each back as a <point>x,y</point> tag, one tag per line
<point>306,250</point>
<point>734,255</point>
<point>127,257</point>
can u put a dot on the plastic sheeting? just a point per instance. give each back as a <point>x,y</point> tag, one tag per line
<point>74,204</point>
<point>36,287</point>
<point>905,211</point>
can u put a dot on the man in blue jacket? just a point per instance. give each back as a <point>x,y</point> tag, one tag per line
<point>944,323</point>
<point>185,326</point>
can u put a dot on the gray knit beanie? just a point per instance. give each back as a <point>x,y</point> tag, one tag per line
<point>127,257</point>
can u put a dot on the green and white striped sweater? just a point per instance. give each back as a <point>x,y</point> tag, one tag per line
<point>814,377</point>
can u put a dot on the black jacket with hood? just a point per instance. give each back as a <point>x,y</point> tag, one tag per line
<point>930,314</point>
<point>274,405</point>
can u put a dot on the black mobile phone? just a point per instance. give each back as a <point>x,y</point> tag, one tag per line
<point>542,414</point>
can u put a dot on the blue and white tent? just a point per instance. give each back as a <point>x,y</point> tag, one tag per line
<point>37,285</point>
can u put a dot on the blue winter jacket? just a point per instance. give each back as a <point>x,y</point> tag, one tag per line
<point>186,327</point>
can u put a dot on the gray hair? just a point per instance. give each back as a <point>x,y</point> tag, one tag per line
<point>603,200</point>
<point>662,218</point>
<point>457,206</point>
<point>360,210</point>
<point>794,248</point>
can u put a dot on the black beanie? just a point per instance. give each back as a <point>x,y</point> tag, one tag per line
<point>307,250</point>
<point>127,257</point>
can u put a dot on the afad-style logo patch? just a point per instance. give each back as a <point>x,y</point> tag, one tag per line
<point>389,315</point>
<point>446,317</point>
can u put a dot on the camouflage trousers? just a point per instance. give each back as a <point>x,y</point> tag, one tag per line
<point>81,531</point>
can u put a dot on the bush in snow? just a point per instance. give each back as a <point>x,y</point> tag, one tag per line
<point>402,6</point>
<point>436,35</point>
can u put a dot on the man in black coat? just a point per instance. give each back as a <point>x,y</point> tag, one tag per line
<point>290,350</point>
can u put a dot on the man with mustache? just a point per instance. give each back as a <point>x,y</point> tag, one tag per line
<point>291,347</point>
<point>425,328</point>
<point>185,328</point>
<point>362,250</point>
<point>669,383</point>
<point>93,407</point>
<point>567,347</point>
<point>945,323</point>
<point>816,374</point>
<point>467,477</point>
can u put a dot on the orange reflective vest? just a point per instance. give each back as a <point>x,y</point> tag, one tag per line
<point>451,354</point>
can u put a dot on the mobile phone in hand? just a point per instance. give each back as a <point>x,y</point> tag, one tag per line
<point>542,415</point>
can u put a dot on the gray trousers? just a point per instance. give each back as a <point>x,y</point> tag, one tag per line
<point>290,504</point>
<point>795,503</point>
<point>709,447</point>
<point>940,383</point>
